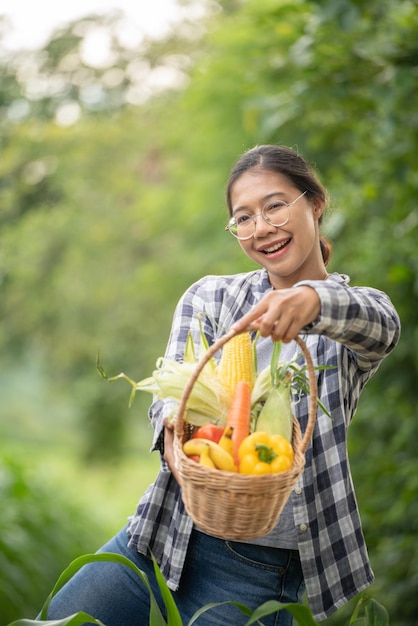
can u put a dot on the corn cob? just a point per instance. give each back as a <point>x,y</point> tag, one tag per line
<point>236,363</point>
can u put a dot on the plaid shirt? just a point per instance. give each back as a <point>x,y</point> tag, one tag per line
<point>357,328</point>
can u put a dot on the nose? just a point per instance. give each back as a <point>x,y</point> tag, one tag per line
<point>261,226</point>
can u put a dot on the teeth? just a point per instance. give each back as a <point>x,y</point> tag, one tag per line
<point>275,248</point>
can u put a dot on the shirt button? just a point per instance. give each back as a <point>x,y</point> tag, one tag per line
<point>303,527</point>
<point>298,491</point>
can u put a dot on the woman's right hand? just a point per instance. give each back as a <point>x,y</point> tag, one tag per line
<point>282,313</point>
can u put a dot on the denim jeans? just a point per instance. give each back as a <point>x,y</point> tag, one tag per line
<point>215,571</point>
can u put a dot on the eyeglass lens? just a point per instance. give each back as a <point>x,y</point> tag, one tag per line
<point>243,226</point>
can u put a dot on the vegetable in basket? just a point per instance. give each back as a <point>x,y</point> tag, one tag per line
<point>261,453</point>
<point>230,392</point>
<point>209,431</point>
<point>239,416</point>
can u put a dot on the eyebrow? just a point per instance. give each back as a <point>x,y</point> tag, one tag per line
<point>264,200</point>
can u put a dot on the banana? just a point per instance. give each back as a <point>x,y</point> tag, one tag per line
<point>219,456</point>
<point>205,458</point>
<point>222,459</point>
<point>226,440</point>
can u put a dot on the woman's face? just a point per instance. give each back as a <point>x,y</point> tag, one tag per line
<point>290,252</point>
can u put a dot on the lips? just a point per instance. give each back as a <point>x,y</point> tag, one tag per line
<point>275,247</point>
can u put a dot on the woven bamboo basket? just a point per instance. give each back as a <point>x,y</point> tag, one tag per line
<point>237,506</point>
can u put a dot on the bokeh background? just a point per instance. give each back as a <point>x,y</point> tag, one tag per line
<point>115,151</point>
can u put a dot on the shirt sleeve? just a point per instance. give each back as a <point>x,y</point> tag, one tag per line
<point>362,318</point>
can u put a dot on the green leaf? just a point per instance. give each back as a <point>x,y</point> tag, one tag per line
<point>173,615</point>
<point>242,607</point>
<point>299,611</point>
<point>109,557</point>
<point>375,613</point>
<point>77,619</point>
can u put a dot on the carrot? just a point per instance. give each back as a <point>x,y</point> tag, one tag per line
<point>239,415</point>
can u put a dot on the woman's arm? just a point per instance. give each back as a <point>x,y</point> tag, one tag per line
<point>363,319</point>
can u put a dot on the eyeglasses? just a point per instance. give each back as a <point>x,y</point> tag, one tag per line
<point>277,214</point>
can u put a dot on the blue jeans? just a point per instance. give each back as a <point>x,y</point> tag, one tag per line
<point>215,571</point>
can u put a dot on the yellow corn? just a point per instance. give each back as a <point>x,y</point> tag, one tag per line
<point>236,363</point>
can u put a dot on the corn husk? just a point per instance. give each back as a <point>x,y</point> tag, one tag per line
<point>208,400</point>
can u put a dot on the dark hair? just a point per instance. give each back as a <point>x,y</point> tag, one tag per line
<point>284,161</point>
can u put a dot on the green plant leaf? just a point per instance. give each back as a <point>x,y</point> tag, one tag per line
<point>156,618</point>
<point>375,613</point>
<point>242,607</point>
<point>299,611</point>
<point>78,619</point>
<point>173,615</point>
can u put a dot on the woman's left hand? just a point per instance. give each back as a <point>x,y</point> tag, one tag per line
<point>282,313</point>
<point>169,447</point>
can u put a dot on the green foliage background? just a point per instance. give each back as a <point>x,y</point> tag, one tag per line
<point>106,221</point>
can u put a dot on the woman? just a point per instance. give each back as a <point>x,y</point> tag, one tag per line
<point>275,204</point>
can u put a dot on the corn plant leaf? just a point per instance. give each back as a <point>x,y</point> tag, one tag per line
<point>173,615</point>
<point>156,618</point>
<point>375,613</point>
<point>300,612</point>
<point>77,619</point>
<point>244,609</point>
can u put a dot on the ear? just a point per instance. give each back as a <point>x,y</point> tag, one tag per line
<point>318,206</point>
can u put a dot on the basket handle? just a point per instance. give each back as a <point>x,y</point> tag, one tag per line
<point>313,391</point>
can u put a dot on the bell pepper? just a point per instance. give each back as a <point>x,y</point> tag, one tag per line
<point>261,453</point>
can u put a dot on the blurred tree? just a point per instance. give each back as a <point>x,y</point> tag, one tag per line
<point>95,66</point>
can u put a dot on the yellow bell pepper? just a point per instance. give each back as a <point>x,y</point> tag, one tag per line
<point>261,453</point>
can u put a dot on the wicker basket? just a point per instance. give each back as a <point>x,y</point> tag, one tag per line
<point>237,506</point>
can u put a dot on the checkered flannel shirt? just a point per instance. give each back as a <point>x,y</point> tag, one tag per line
<point>356,329</point>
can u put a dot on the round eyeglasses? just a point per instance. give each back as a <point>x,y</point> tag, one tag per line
<point>277,214</point>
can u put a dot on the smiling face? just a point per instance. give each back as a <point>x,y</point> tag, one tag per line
<point>290,252</point>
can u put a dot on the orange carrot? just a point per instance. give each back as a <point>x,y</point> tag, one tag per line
<point>239,415</point>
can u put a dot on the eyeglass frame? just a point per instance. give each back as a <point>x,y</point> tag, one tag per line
<point>254,218</point>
